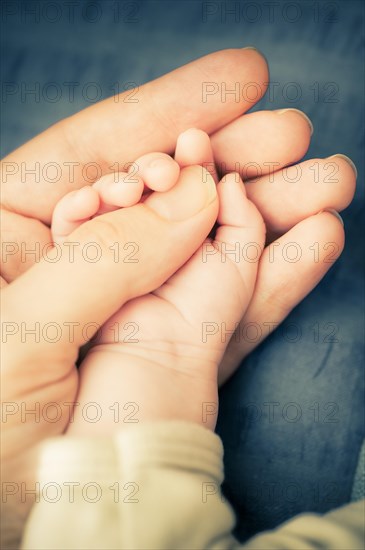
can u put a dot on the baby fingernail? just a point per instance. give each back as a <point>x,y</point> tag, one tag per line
<point>334,213</point>
<point>303,115</point>
<point>347,159</point>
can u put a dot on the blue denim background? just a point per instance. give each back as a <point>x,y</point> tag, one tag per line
<point>303,455</point>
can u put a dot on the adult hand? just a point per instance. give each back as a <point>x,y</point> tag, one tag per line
<point>54,308</point>
<point>116,131</point>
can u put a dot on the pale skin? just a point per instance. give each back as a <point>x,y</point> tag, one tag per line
<point>167,107</point>
<point>169,322</point>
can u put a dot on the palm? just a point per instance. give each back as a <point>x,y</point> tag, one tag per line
<point>37,405</point>
<point>42,400</point>
<point>180,317</point>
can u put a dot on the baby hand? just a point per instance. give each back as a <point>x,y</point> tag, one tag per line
<point>168,368</point>
<point>154,171</point>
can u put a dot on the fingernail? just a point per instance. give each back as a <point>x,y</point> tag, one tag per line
<point>193,192</point>
<point>256,50</point>
<point>303,115</point>
<point>347,159</point>
<point>333,212</point>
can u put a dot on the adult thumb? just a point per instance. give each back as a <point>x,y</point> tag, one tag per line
<point>61,301</point>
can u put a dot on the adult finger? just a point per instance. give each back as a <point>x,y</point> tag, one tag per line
<point>262,142</point>
<point>102,138</point>
<point>293,194</point>
<point>23,243</point>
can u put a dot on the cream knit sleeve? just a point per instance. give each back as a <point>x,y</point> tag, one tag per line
<point>156,486</point>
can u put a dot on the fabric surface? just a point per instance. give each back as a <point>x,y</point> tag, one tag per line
<point>174,470</point>
<point>358,489</point>
<point>277,468</point>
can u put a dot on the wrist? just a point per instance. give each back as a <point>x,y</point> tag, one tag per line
<point>120,389</point>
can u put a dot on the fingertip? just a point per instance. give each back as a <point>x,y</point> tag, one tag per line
<point>193,147</point>
<point>78,204</point>
<point>348,160</point>
<point>247,56</point>
<point>335,214</point>
<point>344,166</point>
<point>297,114</point>
<point>162,174</point>
<point>235,207</point>
<point>254,50</point>
<point>233,179</point>
<point>159,171</point>
<point>126,192</point>
<point>257,59</point>
<point>72,210</point>
<point>193,133</point>
<point>333,226</point>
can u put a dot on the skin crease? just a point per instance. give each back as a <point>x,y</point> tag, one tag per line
<point>92,135</point>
